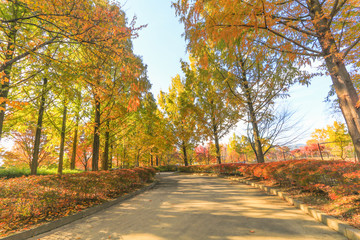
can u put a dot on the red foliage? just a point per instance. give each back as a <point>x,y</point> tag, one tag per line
<point>28,200</point>
<point>336,178</point>
<point>225,168</point>
<point>203,155</point>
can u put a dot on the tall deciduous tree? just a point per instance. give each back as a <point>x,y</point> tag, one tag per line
<point>256,78</point>
<point>177,106</point>
<point>335,136</point>
<point>215,107</point>
<point>37,141</point>
<point>301,29</point>
<point>29,29</point>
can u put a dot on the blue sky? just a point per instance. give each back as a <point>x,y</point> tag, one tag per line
<point>160,43</point>
<point>162,47</point>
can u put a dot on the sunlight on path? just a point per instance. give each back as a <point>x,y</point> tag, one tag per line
<point>197,207</point>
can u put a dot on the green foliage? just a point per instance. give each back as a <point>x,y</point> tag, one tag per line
<point>178,110</point>
<point>240,146</point>
<point>167,168</point>
<point>337,138</point>
<point>19,172</point>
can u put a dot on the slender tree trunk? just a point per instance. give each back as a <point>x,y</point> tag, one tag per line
<point>35,158</point>
<point>96,141</point>
<point>208,155</point>
<point>217,146</point>
<point>74,146</point>
<point>5,80</point>
<point>185,154</point>
<point>157,160</point>
<point>258,145</point>
<point>85,160</point>
<point>111,156</point>
<point>117,160</point>
<point>215,133</point>
<point>344,87</point>
<point>62,142</point>
<point>76,132</point>
<point>151,159</point>
<point>105,164</point>
<point>124,156</point>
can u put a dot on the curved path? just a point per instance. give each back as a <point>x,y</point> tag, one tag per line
<point>196,207</point>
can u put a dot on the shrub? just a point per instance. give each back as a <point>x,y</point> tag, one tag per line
<point>226,168</point>
<point>167,168</point>
<point>19,172</point>
<point>336,178</point>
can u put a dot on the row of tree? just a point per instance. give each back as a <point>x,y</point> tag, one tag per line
<point>257,47</point>
<point>72,91</point>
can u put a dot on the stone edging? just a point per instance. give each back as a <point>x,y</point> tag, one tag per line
<point>335,224</point>
<point>68,219</point>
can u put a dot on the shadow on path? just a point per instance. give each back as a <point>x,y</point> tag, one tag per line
<point>197,207</point>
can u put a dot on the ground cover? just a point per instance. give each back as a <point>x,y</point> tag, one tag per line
<point>19,172</point>
<point>331,186</point>
<point>28,201</point>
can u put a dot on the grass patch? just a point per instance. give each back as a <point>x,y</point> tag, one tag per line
<point>19,172</point>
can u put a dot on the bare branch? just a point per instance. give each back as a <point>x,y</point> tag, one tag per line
<point>346,52</point>
<point>17,58</point>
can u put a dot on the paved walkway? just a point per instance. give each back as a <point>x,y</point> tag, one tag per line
<point>196,207</point>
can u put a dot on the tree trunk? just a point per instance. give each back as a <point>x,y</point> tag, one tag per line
<point>111,156</point>
<point>208,155</point>
<point>217,146</point>
<point>75,139</point>
<point>185,155</point>
<point>5,80</point>
<point>117,159</point>
<point>157,160</point>
<point>344,87</point>
<point>258,146</point>
<point>85,160</point>
<point>96,142</point>
<point>105,162</point>
<point>215,133</point>
<point>74,147</point>
<point>35,159</point>
<point>62,142</point>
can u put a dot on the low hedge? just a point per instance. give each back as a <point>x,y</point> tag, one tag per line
<point>226,168</point>
<point>336,178</point>
<point>167,168</point>
<point>13,172</point>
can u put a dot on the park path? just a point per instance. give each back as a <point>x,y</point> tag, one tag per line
<point>196,207</point>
